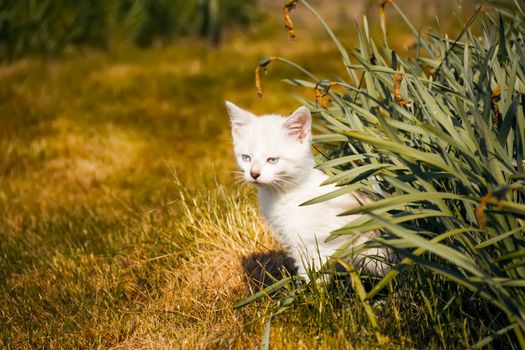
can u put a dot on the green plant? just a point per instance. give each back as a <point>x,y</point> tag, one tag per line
<point>439,139</point>
<point>49,26</point>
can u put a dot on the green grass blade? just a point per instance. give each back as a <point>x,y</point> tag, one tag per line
<point>264,293</point>
<point>498,238</point>
<point>265,343</point>
<point>337,193</point>
<point>404,201</point>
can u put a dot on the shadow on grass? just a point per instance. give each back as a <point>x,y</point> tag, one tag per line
<point>263,269</point>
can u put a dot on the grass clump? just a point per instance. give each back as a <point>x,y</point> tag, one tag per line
<point>438,139</point>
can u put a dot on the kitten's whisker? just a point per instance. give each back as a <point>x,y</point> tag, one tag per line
<point>277,185</point>
<point>238,180</point>
<point>286,176</point>
<point>238,177</point>
<point>241,183</point>
<point>233,172</point>
<point>283,181</point>
<point>270,186</point>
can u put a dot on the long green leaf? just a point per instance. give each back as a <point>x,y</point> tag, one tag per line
<point>498,238</point>
<point>404,201</point>
<point>445,252</point>
<point>334,194</point>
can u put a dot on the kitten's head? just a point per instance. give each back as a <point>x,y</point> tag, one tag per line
<point>272,151</point>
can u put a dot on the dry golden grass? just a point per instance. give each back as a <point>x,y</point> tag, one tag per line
<point>121,225</point>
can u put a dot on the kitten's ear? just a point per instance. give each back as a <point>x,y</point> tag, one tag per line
<point>238,116</point>
<point>299,124</point>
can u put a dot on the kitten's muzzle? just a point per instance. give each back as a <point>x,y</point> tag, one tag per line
<point>255,174</point>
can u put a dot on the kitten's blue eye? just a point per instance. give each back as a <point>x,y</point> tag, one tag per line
<point>272,160</point>
<point>246,158</point>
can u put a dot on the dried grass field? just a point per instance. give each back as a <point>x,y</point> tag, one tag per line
<point>122,224</point>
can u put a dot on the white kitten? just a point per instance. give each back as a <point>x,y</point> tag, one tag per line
<point>274,153</point>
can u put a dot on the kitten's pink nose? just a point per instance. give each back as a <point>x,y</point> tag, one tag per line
<point>255,174</point>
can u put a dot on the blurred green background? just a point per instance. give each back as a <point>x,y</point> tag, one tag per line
<point>50,27</point>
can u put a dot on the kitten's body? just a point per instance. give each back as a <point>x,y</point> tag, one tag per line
<point>303,230</point>
<point>284,184</point>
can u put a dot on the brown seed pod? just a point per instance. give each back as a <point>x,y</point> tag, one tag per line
<point>263,65</point>
<point>320,97</point>
<point>499,194</point>
<point>288,24</point>
<point>382,16</point>
<point>321,90</point>
<point>494,104</point>
<point>398,78</point>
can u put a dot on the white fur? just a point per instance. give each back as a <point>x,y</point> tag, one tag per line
<point>291,181</point>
